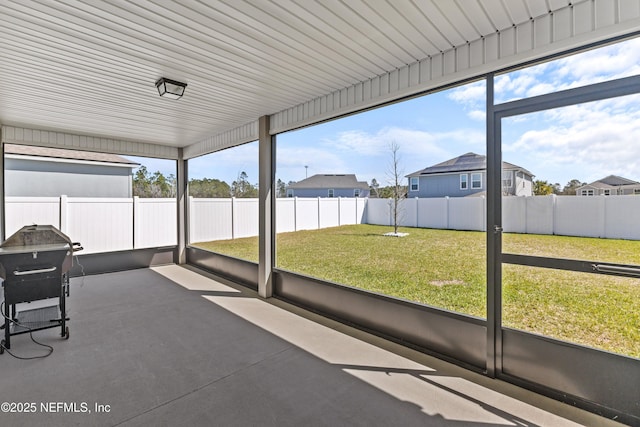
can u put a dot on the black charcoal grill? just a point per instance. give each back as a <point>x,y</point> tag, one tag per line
<point>34,264</point>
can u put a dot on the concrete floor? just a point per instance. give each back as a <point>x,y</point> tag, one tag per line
<point>170,346</point>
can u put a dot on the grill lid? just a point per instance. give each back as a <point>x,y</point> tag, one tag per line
<point>36,235</point>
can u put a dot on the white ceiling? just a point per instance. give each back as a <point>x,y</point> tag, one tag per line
<point>89,67</point>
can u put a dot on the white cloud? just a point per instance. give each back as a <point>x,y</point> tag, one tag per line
<point>477,115</point>
<point>418,143</point>
<point>291,162</point>
<point>597,65</point>
<point>590,140</point>
<point>470,94</point>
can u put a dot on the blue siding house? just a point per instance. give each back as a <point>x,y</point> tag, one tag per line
<point>611,185</point>
<point>32,171</point>
<point>466,176</point>
<point>335,185</point>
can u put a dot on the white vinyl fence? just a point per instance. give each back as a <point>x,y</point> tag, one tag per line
<point>611,217</point>
<point>221,219</point>
<point>99,224</point>
<point>112,224</point>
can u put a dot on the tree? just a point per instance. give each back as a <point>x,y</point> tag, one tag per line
<point>542,188</point>
<point>243,188</point>
<point>395,180</point>
<point>209,188</point>
<point>281,188</point>
<point>373,188</point>
<point>570,188</point>
<point>156,185</point>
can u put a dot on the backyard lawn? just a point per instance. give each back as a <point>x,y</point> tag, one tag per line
<point>447,269</point>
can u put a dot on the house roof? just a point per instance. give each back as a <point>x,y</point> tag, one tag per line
<point>611,181</point>
<point>616,181</point>
<point>57,153</point>
<point>330,181</point>
<point>465,163</point>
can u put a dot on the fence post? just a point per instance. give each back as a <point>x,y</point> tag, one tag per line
<point>136,221</point>
<point>318,212</point>
<point>365,211</point>
<point>233,221</point>
<point>417,213</point>
<point>484,213</point>
<point>553,214</point>
<point>295,213</point>
<point>192,224</point>
<point>339,223</point>
<point>63,214</point>
<point>446,211</point>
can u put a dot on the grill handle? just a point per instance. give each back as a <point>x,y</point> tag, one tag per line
<point>27,272</point>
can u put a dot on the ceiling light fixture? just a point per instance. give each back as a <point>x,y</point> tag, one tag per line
<point>170,88</point>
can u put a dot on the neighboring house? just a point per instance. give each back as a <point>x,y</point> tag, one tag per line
<point>42,172</point>
<point>334,185</point>
<point>610,186</point>
<point>466,176</point>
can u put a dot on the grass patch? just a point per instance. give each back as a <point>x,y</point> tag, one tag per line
<point>447,269</point>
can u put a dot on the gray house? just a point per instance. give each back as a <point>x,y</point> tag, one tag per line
<point>52,172</point>
<point>611,185</point>
<point>466,176</point>
<point>329,185</point>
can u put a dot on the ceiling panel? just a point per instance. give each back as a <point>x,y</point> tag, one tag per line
<point>89,68</point>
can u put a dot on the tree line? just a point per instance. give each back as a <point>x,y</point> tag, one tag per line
<point>543,188</point>
<point>150,185</point>
<point>154,185</point>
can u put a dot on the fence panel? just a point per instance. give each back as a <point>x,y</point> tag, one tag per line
<point>156,222</point>
<point>622,217</point>
<point>348,211</point>
<point>379,211</point>
<point>514,214</point>
<point>307,214</point>
<point>245,218</point>
<point>328,209</point>
<point>407,212</point>
<point>433,213</point>
<point>361,210</point>
<point>285,214</point>
<point>21,211</point>
<point>540,214</point>
<point>100,224</point>
<point>580,216</point>
<point>467,213</point>
<point>210,219</point>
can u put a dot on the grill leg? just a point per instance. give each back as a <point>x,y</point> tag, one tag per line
<point>7,325</point>
<point>63,312</point>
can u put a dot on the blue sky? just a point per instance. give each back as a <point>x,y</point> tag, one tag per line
<point>586,142</point>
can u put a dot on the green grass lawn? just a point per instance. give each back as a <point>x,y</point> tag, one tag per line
<point>447,269</point>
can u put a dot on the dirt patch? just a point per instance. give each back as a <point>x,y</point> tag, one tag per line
<point>446,282</point>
